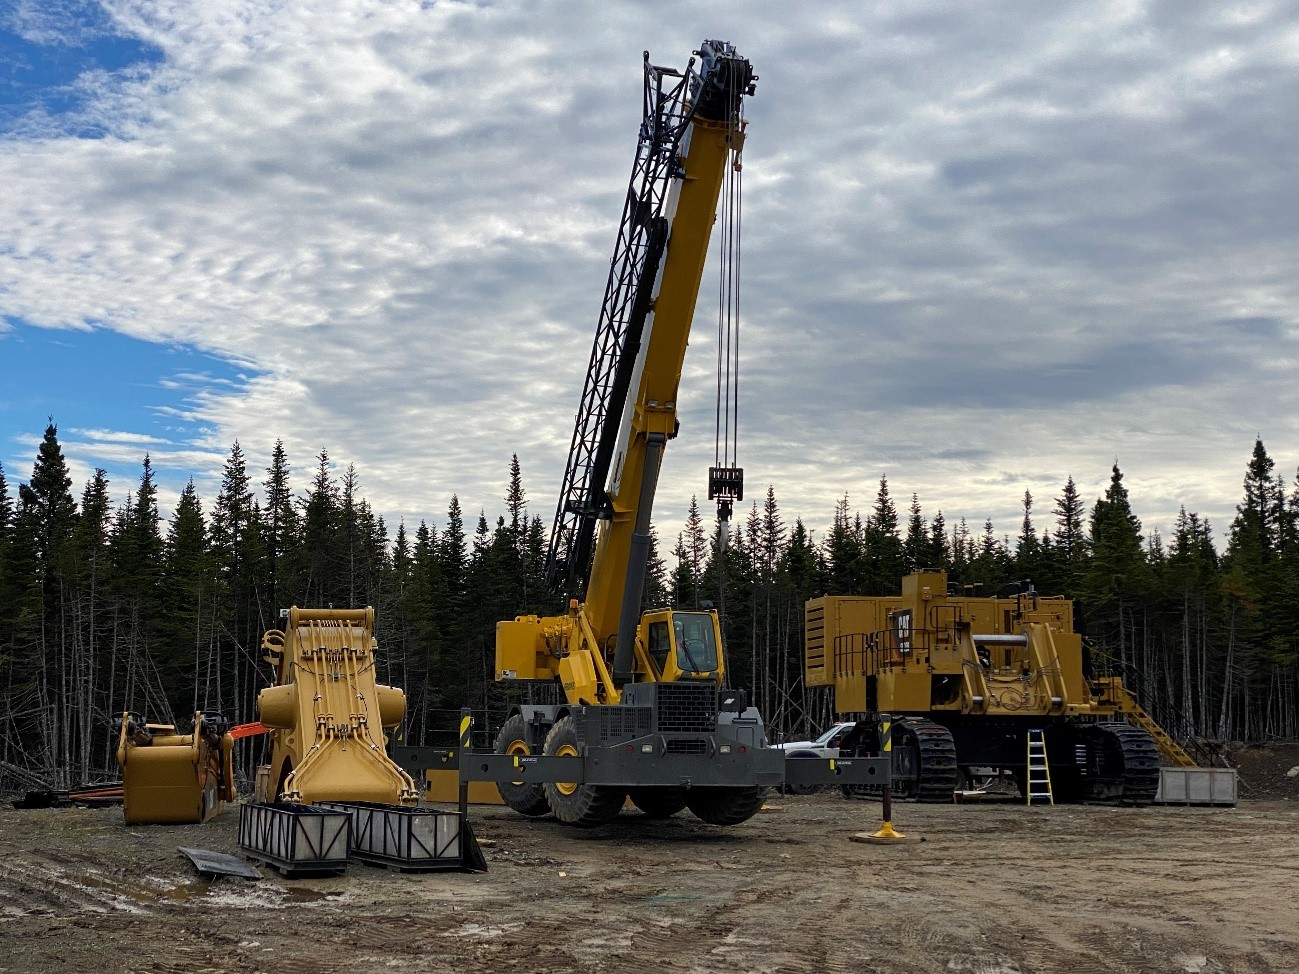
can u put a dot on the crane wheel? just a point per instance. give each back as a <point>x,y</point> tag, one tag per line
<point>526,799</point>
<point>658,802</point>
<point>578,804</point>
<point>725,806</point>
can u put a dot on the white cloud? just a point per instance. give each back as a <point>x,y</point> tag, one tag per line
<point>987,246</point>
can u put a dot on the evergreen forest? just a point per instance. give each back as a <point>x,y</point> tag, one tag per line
<point>110,608</point>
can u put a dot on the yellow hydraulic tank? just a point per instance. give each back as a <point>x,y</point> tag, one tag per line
<point>327,712</point>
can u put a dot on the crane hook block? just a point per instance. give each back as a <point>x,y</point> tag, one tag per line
<point>726,483</point>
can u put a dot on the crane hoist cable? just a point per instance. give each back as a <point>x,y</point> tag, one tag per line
<point>726,477</point>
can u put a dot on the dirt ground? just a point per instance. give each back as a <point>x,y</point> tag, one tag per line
<point>994,888</point>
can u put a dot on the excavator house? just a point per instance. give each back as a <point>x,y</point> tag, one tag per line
<point>977,683</point>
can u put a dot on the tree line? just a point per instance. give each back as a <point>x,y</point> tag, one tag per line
<point>112,608</point>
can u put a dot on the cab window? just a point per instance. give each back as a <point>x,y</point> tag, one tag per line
<point>659,644</point>
<point>696,642</point>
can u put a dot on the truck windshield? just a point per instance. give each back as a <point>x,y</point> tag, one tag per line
<point>696,642</point>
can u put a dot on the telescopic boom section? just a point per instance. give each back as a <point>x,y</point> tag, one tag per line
<point>648,419</point>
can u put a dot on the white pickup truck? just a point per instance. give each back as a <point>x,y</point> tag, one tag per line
<point>825,746</point>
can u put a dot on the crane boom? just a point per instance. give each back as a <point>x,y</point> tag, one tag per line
<point>691,128</point>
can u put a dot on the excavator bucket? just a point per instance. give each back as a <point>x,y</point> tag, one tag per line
<point>169,777</point>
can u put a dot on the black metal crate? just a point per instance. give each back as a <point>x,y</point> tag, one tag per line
<point>295,838</point>
<point>408,839</point>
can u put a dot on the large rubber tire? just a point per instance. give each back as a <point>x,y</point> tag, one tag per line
<point>658,802</point>
<point>574,804</point>
<point>526,799</point>
<point>725,806</point>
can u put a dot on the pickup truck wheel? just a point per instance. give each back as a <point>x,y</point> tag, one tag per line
<point>725,806</point>
<point>658,802</point>
<point>789,789</point>
<point>526,799</point>
<point>573,803</point>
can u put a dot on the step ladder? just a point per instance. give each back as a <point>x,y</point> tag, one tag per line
<point>1038,783</point>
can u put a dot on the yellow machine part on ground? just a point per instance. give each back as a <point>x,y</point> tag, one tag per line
<point>327,713</point>
<point>169,777</point>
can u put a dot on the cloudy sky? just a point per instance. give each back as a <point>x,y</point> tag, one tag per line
<point>986,246</point>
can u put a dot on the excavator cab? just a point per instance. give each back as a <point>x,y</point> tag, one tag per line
<point>683,645</point>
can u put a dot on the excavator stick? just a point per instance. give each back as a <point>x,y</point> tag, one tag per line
<point>329,774</point>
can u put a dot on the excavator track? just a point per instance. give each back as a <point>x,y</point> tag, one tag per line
<point>924,763</point>
<point>1126,765</point>
<point>938,774</point>
<point>1139,775</point>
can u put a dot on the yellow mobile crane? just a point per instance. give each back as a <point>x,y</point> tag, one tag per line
<point>645,705</point>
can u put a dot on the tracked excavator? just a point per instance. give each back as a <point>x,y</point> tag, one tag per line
<point>646,714</point>
<point>968,678</point>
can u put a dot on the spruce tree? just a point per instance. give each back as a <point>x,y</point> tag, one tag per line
<point>916,546</point>
<point>1115,581</point>
<point>987,568</point>
<point>656,580</point>
<point>235,538</point>
<point>682,584</point>
<point>1118,561</point>
<point>280,528</point>
<point>537,596</point>
<point>962,551</point>
<point>1028,550</point>
<point>43,568</point>
<point>6,521</point>
<point>1261,610</point>
<point>1070,542</point>
<point>456,616</point>
<point>353,529</point>
<point>93,610</point>
<point>7,596</point>
<point>883,546</point>
<point>1256,530</point>
<point>516,501</point>
<point>326,557</point>
<point>843,554</point>
<point>772,537</point>
<point>189,586</point>
<point>47,511</point>
<point>938,555</point>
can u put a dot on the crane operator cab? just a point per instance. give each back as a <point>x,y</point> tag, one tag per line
<point>683,645</point>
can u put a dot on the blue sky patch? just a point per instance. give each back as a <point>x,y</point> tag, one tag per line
<point>114,397</point>
<point>45,49</point>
